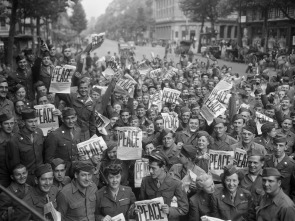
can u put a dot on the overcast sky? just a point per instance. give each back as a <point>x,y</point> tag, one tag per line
<point>95,8</point>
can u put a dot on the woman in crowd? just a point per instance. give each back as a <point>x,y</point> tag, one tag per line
<point>202,156</point>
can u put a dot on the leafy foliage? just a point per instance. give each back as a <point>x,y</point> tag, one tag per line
<point>78,18</point>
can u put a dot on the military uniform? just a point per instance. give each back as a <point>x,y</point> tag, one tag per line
<point>171,153</point>
<point>74,205</point>
<point>21,149</point>
<point>225,209</point>
<point>60,185</point>
<point>36,200</point>
<point>4,173</point>
<point>268,145</point>
<point>178,171</point>
<point>60,144</point>
<point>200,204</point>
<point>279,208</point>
<point>186,137</point>
<point>254,147</point>
<point>290,141</point>
<point>169,188</point>
<point>223,143</point>
<point>107,205</point>
<point>286,167</point>
<point>7,107</point>
<point>45,75</point>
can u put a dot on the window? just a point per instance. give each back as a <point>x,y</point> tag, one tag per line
<point>254,15</point>
<point>229,28</point>
<point>236,32</point>
<point>221,32</point>
<point>270,13</point>
<point>183,34</point>
<point>176,34</point>
<point>2,22</point>
<point>277,13</point>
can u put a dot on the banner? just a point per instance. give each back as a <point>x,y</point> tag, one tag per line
<point>141,170</point>
<point>219,159</point>
<point>170,95</point>
<point>126,82</point>
<point>169,74</point>
<point>129,143</point>
<point>241,158</point>
<point>46,120</point>
<point>119,217</point>
<point>102,88</point>
<point>155,73</point>
<point>61,79</point>
<point>217,101</point>
<point>150,210</point>
<point>95,145</point>
<point>171,122</point>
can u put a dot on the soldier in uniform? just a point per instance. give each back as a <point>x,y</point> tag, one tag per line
<point>189,135</point>
<point>6,132</point>
<point>62,143</point>
<point>284,164</point>
<point>114,198</point>
<point>275,204</point>
<point>18,187</point>
<point>6,105</point>
<point>38,196</point>
<point>59,172</point>
<point>238,124</point>
<point>161,184</point>
<point>26,146</point>
<point>268,133</point>
<point>290,136</point>
<point>77,200</point>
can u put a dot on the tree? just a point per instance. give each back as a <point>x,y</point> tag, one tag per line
<point>14,7</point>
<point>78,18</point>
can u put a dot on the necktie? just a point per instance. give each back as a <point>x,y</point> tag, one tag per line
<point>72,135</point>
<point>47,198</point>
<point>276,162</point>
<point>32,138</point>
<point>158,184</point>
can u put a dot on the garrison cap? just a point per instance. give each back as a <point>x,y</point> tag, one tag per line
<point>249,128</point>
<point>68,111</point>
<point>189,151</point>
<point>57,161</point>
<point>5,117</point>
<point>267,127</point>
<point>280,138</point>
<point>84,166</point>
<point>42,169</point>
<point>270,171</point>
<point>29,114</point>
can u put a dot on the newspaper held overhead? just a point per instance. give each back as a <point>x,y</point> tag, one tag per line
<point>219,159</point>
<point>61,79</point>
<point>141,170</point>
<point>89,148</point>
<point>143,68</point>
<point>101,122</point>
<point>150,210</point>
<point>46,119</point>
<point>171,121</point>
<point>217,101</point>
<point>126,82</point>
<point>170,95</point>
<point>129,143</point>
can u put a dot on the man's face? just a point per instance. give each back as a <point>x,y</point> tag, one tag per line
<point>112,154</point>
<point>60,172</point>
<point>185,117</point>
<point>248,91</point>
<point>125,117</point>
<point>83,89</point>
<point>159,125</point>
<point>31,124</point>
<point>70,121</point>
<point>270,184</point>
<point>168,140</point>
<point>52,51</point>
<point>20,175</point>
<point>3,89</point>
<point>211,85</point>
<point>117,108</point>
<point>150,129</point>
<point>281,94</point>
<point>279,149</point>
<point>285,104</point>
<point>140,112</point>
<point>134,123</point>
<point>149,148</point>
<point>155,170</point>
<point>185,92</point>
<point>205,78</point>
<point>67,52</point>
<point>45,182</point>
<point>270,112</point>
<point>7,126</point>
<point>113,120</point>
<point>204,90</point>
<point>152,90</point>
<point>152,116</point>
<point>19,106</point>
<point>285,87</point>
<point>196,110</point>
<point>95,95</point>
<point>114,180</point>
<point>238,125</point>
<point>220,129</point>
<point>245,115</point>
<point>198,91</point>
<point>145,99</point>
<point>46,61</point>
<point>83,178</point>
<point>21,94</point>
<point>42,89</point>
<point>139,99</point>
<point>208,186</point>
<point>255,164</point>
<point>22,64</point>
<point>43,100</point>
<point>247,136</point>
<point>287,125</point>
<point>193,125</point>
<point>30,57</point>
<point>272,133</point>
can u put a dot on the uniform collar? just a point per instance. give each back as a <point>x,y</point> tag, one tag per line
<point>89,99</point>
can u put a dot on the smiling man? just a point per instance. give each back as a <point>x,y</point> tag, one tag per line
<point>59,172</point>
<point>188,136</point>
<point>77,200</point>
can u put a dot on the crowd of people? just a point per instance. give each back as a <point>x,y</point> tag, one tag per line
<point>41,169</point>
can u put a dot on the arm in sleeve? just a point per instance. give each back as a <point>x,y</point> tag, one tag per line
<point>98,215</point>
<point>105,98</point>
<point>92,127</point>
<point>287,213</point>
<point>182,202</point>
<point>214,207</point>
<point>62,205</point>
<point>193,210</point>
<point>50,146</point>
<point>142,195</point>
<point>13,156</point>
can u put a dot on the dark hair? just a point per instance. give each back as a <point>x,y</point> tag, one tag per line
<point>159,162</point>
<point>114,169</point>
<point>240,177</point>
<point>18,166</point>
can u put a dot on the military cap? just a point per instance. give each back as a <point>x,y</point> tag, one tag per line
<point>140,106</point>
<point>164,132</point>
<point>133,117</point>
<point>271,171</point>
<point>5,117</point>
<point>57,161</point>
<point>18,86</point>
<point>2,79</point>
<point>29,114</point>
<point>250,129</point>
<point>202,179</point>
<point>152,86</point>
<point>28,51</point>
<point>113,169</point>
<point>194,106</point>
<point>258,104</point>
<point>114,114</point>
<point>287,118</point>
<point>84,166</point>
<point>50,46</point>
<point>143,128</point>
<point>280,138</point>
<point>202,133</point>
<point>45,54</point>
<point>292,114</point>
<point>237,117</point>
<point>189,151</point>
<point>258,91</point>
<point>185,110</point>
<point>125,110</point>
<point>42,169</point>
<point>97,90</point>
<point>230,170</point>
<point>218,121</point>
<point>19,58</point>
<point>159,156</point>
<point>111,145</point>
<point>68,111</point>
<point>255,152</point>
<point>267,127</point>
<point>269,107</point>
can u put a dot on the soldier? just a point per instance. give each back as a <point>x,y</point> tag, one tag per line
<point>114,198</point>
<point>6,132</point>
<point>238,124</point>
<point>42,193</point>
<point>188,136</point>
<point>18,187</point>
<point>59,172</point>
<point>77,200</point>
<point>6,105</point>
<point>275,204</point>
<point>284,164</point>
<point>26,146</point>
<point>62,143</point>
<point>290,136</point>
<point>268,133</point>
<point>161,184</point>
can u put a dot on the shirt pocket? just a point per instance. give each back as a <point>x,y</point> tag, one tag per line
<point>92,202</point>
<point>124,202</point>
<point>77,208</point>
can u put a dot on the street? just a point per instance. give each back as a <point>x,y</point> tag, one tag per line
<point>112,46</point>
